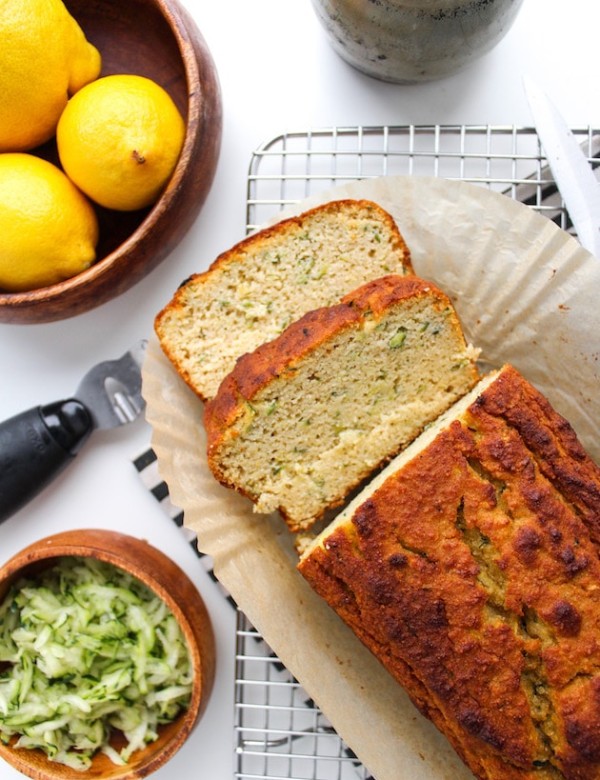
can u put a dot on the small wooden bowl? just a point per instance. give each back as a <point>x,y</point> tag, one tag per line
<point>157,39</point>
<point>168,581</point>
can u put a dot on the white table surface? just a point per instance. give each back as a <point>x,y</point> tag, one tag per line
<point>277,73</point>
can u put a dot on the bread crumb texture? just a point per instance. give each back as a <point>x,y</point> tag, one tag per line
<point>305,418</point>
<point>252,292</point>
<point>472,572</point>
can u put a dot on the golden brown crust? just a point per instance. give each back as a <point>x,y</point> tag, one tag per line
<point>255,241</point>
<point>255,370</point>
<point>473,574</point>
<point>293,223</point>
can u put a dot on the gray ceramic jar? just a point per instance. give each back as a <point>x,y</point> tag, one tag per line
<point>407,41</point>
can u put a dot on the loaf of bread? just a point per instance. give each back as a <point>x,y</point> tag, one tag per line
<point>303,419</point>
<point>254,290</point>
<point>470,567</point>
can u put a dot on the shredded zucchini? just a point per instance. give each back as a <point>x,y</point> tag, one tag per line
<point>87,650</point>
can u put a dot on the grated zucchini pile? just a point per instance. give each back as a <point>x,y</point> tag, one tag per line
<point>87,649</point>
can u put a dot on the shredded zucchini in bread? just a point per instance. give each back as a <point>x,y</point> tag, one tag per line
<point>252,292</point>
<point>303,420</point>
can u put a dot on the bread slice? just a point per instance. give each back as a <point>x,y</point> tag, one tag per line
<point>470,567</point>
<point>254,290</point>
<point>304,418</point>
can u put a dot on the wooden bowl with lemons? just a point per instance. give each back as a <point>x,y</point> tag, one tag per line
<point>162,576</point>
<point>156,39</point>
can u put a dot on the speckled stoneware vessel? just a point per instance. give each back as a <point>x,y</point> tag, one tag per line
<point>407,41</point>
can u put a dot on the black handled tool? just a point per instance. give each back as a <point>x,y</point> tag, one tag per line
<point>36,445</point>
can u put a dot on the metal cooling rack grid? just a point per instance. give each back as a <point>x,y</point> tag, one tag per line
<point>506,159</point>
<point>279,733</point>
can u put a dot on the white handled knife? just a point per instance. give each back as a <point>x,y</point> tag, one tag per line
<point>570,168</point>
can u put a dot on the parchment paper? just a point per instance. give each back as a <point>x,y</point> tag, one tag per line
<point>526,293</point>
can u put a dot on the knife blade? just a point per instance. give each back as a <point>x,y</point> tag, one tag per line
<point>36,445</point>
<point>570,168</point>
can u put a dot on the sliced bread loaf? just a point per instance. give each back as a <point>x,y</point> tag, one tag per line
<point>254,290</point>
<point>304,418</point>
<point>470,567</point>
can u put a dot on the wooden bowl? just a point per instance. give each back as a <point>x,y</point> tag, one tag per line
<point>157,39</point>
<point>168,581</point>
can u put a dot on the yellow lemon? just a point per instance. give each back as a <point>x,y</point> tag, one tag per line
<point>119,139</point>
<point>44,58</point>
<point>48,229</point>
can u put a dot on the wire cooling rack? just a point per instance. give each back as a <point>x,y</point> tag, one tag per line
<point>279,732</point>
